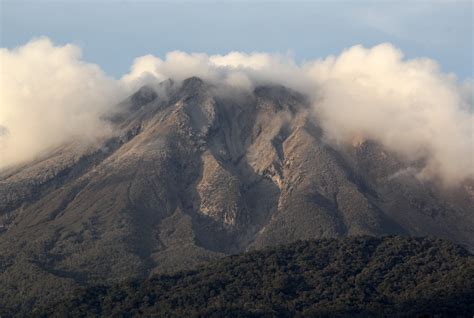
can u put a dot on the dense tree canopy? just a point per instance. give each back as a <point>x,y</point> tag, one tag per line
<point>362,276</point>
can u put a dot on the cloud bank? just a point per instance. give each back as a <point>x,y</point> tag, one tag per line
<point>49,95</point>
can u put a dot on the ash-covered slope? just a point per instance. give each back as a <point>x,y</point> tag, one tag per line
<point>194,173</point>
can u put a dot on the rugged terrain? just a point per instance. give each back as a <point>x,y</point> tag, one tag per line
<point>193,173</point>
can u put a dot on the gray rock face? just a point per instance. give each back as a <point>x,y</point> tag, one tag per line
<point>190,176</point>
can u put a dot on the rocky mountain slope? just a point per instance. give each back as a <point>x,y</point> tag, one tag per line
<point>193,173</point>
<point>356,277</point>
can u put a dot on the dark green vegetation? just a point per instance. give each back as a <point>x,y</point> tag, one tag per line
<point>362,276</point>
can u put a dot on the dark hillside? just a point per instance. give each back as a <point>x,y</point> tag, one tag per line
<point>362,276</point>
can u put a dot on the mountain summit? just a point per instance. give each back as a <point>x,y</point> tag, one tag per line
<point>192,173</point>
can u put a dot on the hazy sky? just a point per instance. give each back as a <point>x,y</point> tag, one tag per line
<point>113,33</point>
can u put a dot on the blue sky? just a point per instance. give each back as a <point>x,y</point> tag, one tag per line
<point>113,33</point>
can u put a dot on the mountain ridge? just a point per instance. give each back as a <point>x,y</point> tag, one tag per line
<point>192,173</point>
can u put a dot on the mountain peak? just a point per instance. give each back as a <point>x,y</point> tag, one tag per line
<point>193,83</point>
<point>146,94</point>
<point>194,176</point>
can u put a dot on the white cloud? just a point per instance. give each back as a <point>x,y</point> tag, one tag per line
<point>409,106</point>
<point>49,96</point>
